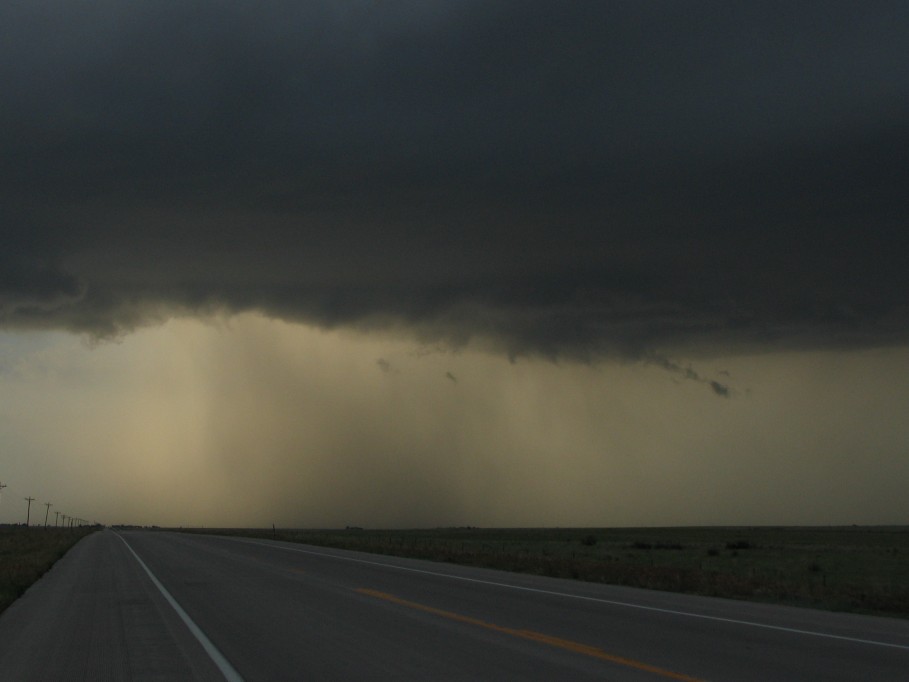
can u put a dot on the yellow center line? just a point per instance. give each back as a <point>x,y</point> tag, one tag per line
<point>567,644</point>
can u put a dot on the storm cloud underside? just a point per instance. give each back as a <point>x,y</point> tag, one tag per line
<point>575,179</point>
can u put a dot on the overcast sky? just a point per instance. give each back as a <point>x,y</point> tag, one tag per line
<point>486,263</point>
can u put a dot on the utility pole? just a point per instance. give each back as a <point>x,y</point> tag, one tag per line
<point>2,486</point>
<point>57,518</point>
<point>46,512</point>
<point>64,520</point>
<point>28,515</point>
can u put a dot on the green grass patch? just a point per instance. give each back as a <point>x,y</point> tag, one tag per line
<point>27,553</point>
<point>855,569</point>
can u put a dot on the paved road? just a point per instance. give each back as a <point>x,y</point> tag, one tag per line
<point>166,606</point>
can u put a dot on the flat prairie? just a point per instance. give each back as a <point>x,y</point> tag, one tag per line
<point>26,553</point>
<point>860,569</point>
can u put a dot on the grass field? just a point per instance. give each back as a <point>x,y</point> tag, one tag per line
<point>27,553</point>
<point>856,569</point>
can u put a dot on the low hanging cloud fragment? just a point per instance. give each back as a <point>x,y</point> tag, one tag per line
<point>688,373</point>
<point>720,389</point>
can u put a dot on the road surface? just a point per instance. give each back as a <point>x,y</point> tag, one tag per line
<point>146,605</point>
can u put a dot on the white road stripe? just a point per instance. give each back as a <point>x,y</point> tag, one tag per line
<point>568,595</point>
<point>230,674</point>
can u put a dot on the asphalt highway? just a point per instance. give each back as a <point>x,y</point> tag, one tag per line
<point>147,605</point>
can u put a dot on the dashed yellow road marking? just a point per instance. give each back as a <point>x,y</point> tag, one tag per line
<point>566,644</point>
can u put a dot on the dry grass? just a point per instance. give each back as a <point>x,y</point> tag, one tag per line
<point>857,569</point>
<point>27,553</point>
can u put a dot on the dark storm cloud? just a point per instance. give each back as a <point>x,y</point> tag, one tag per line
<point>31,281</point>
<point>565,178</point>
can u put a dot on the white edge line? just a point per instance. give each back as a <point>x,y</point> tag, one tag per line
<point>578,596</point>
<point>216,656</point>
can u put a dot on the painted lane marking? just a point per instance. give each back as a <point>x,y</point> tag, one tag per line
<point>230,674</point>
<point>567,644</point>
<point>568,595</point>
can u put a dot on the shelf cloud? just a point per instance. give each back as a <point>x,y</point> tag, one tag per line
<point>580,180</point>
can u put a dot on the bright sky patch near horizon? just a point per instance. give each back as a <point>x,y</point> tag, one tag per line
<point>251,421</point>
<point>454,263</point>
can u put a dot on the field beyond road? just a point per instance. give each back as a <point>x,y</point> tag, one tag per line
<point>26,553</point>
<point>858,569</point>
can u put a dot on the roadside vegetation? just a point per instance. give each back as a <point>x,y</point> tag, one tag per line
<point>26,553</point>
<point>855,569</point>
